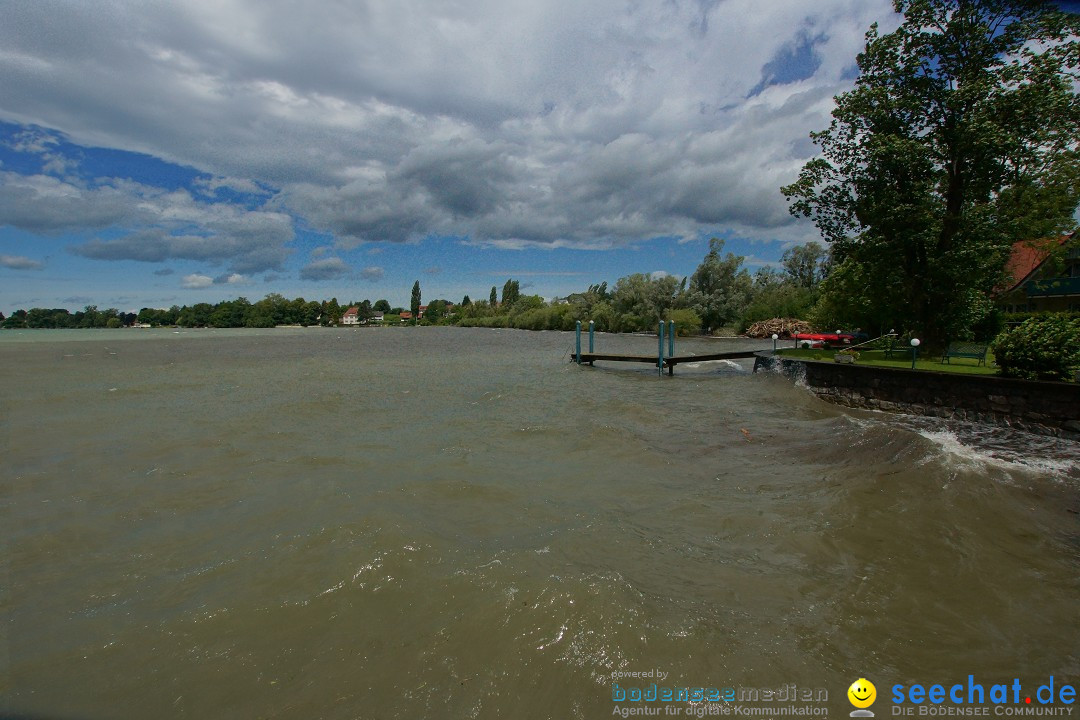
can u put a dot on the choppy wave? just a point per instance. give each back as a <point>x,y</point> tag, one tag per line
<point>1007,449</point>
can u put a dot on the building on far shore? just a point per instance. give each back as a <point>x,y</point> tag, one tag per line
<point>1039,284</point>
<point>351,316</point>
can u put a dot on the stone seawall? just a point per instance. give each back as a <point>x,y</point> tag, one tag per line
<point>1051,408</point>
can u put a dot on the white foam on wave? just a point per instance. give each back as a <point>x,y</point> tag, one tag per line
<point>714,365</point>
<point>980,447</point>
<point>1045,456</point>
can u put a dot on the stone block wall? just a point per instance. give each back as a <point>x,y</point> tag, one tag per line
<point>1045,407</point>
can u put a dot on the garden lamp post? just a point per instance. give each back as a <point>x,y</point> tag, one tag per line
<point>915,342</point>
<point>775,337</point>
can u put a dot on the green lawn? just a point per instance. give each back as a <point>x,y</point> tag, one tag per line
<point>876,358</point>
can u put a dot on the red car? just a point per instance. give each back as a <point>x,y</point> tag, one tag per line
<point>823,340</point>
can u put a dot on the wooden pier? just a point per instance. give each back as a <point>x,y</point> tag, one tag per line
<point>669,362</point>
<point>661,359</point>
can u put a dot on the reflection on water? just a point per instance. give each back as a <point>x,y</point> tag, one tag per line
<point>455,523</point>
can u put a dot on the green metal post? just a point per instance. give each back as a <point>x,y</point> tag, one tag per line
<point>671,340</point>
<point>660,349</point>
<point>577,343</point>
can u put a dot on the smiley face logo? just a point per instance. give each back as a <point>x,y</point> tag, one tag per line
<point>862,693</point>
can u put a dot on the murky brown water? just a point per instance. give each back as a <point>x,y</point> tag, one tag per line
<point>444,523</point>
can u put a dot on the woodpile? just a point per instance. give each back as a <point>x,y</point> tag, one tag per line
<point>784,327</point>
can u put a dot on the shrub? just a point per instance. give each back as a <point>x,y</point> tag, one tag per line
<point>687,322</point>
<point>1043,348</point>
<point>1018,317</point>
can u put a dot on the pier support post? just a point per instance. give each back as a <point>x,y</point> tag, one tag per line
<point>577,342</point>
<point>671,348</point>
<point>660,349</point>
<point>592,345</point>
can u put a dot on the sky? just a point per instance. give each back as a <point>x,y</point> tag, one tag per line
<point>168,153</point>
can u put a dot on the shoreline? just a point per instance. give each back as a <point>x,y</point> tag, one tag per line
<point>1038,406</point>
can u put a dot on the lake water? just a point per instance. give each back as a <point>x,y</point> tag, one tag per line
<point>451,523</point>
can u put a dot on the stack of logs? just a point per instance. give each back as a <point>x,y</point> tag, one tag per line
<point>784,327</point>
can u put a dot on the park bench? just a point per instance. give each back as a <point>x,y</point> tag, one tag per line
<point>975,351</point>
<point>892,345</point>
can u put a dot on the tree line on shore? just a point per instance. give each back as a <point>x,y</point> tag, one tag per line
<point>720,295</point>
<point>271,311</point>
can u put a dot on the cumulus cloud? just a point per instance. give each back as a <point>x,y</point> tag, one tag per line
<point>372,273</point>
<point>210,186</point>
<point>18,262</point>
<point>33,141</point>
<point>45,205</point>
<point>248,241</point>
<point>326,269</point>
<point>231,279</point>
<point>506,122</point>
<point>36,141</point>
<point>196,282</point>
<point>158,223</point>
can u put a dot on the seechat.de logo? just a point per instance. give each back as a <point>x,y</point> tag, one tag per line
<point>862,695</point>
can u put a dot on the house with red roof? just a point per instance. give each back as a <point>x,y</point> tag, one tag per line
<point>449,306</point>
<point>351,316</point>
<point>1041,279</point>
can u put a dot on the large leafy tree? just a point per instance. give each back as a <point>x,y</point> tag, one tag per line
<point>806,265</point>
<point>720,288</point>
<point>958,139</point>
<point>436,310</point>
<point>641,301</point>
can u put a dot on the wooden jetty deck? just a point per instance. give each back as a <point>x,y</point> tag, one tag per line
<point>669,362</point>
